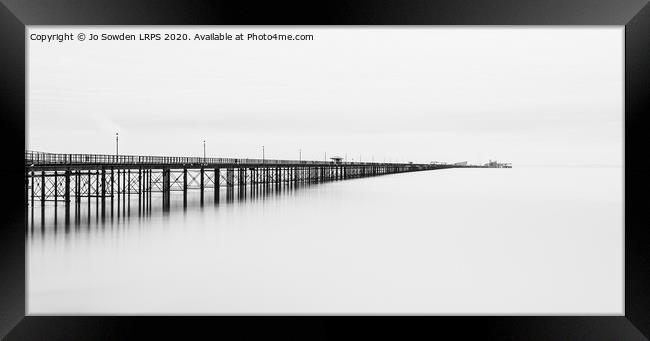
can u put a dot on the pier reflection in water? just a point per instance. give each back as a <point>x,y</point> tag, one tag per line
<point>55,217</point>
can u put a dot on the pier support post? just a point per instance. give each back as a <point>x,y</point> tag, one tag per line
<point>103,192</point>
<point>230,178</point>
<point>42,196</point>
<point>166,188</point>
<point>184,187</point>
<point>119,183</point>
<point>66,193</point>
<point>124,183</point>
<point>149,188</point>
<point>217,179</point>
<point>88,192</point>
<point>124,190</point>
<point>140,196</point>
<point>66,196</point>
<point>202,185</point>
<point>32,197</point>
<point>128,190</point>
<point>112,189</point>
<point>77,195</point>
<point>145,194</point>
<point>56,189</point>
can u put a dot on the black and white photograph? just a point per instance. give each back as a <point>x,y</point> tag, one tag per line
<point>310,170</point>
<point>325,171</point>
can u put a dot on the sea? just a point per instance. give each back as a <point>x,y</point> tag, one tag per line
<point>525,240</point>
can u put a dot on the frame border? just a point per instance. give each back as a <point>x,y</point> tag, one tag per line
<point>15,15</point>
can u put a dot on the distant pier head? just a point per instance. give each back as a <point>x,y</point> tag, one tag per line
<point>111,182</point>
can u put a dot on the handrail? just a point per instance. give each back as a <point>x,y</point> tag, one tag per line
<point>43,158</point>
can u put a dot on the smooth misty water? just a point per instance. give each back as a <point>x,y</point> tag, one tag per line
<point>521,240</point>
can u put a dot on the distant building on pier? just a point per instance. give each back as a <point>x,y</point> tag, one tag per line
<point>336,159</point>
<point>495,164</point>
<point>464,163</point>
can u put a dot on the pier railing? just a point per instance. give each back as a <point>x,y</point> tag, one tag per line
<point>43,158</point>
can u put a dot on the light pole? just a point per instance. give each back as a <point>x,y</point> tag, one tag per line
<point>117,144</point>
<point>204,151</point>
<point>262,154</point>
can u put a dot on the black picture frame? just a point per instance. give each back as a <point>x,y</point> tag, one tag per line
<point>15,15</point>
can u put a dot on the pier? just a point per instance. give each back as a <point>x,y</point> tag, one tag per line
<point>110,183</point>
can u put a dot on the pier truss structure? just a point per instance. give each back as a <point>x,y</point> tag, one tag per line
<point>111,182</point>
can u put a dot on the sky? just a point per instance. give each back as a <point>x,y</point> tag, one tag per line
<point>527,95</point>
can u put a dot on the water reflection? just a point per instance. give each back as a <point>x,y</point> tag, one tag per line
<point>56,217</point>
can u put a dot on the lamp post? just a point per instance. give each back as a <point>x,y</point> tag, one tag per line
<point>204,151</point>
<point>117,144</point>
<point>262,154</point>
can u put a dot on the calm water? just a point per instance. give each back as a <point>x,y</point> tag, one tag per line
<point>481,241</point>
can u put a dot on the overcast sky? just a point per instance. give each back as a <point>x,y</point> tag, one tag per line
<point>531,96</point>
